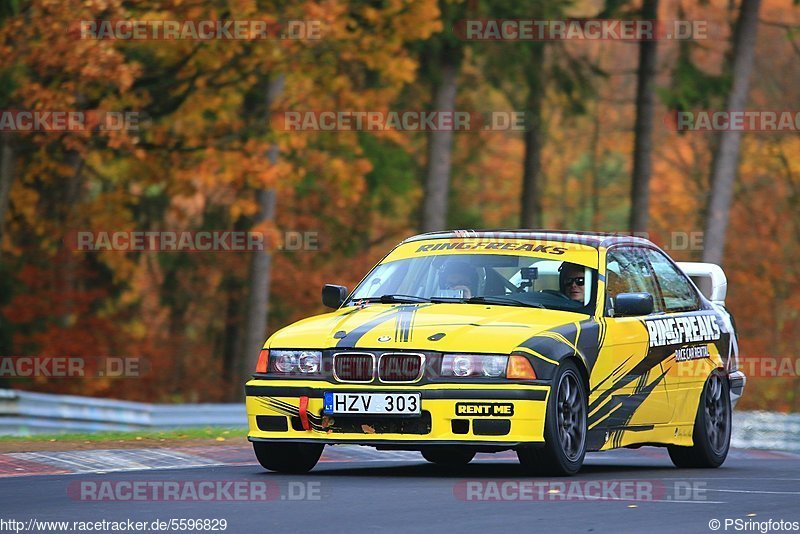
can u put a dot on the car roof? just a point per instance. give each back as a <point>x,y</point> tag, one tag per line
<point>592,239</point>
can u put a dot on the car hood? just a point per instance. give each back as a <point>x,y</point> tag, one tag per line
<point>435,327</point>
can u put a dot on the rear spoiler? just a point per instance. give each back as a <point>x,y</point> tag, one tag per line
<point>709,278</point>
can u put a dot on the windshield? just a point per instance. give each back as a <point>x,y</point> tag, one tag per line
<point>500,279</point>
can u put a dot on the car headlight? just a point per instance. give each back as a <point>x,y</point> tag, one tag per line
<point>474,365</point>
<point>308,362</point>
<point>295,362</point>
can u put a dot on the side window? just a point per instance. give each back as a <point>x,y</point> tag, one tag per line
<point>677,292</point>
<point>627,271</point>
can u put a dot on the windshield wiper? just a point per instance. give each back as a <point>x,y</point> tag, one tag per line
<point>394,299</point>
<point>447,300</point>
<point>503,301</point>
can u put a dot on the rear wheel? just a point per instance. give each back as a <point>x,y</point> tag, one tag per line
<point>712,428</point>
<point>288,457</point>
<point>564,428</point>
<point>448,456</point>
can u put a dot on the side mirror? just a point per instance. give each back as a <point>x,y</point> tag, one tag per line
<point>628,304</point>
<point>333,296</point>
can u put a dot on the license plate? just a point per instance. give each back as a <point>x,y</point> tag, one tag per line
<point>372,403</point>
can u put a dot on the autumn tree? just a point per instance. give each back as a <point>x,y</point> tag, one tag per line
<point>643,128</point>
<point>441,57</point>
<point>726,156</point>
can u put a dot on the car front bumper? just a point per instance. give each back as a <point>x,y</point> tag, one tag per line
<point>291,410</point>
<point>737,381</point>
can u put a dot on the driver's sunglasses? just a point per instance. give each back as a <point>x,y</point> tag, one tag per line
<point>579,280</point>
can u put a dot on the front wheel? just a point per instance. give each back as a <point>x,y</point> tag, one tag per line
<point>448,456</point>
<point>565,427</point>
<point>288,457</point>
<point>712,428</point>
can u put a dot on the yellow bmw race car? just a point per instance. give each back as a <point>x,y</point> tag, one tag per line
<point>548,343</point>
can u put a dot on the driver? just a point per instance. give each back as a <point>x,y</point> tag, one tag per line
<point>459,275</point>
<point>571,280</point>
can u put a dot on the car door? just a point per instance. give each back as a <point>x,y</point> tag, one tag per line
<point>682,337</point>
<point>627,391</point>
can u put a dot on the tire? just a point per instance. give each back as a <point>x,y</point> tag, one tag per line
<point>288,457</point>
<point>448,456</point>
<point>565,427</point>
<point>712,428</point>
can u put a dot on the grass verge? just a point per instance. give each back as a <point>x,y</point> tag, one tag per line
<point>184,437</point>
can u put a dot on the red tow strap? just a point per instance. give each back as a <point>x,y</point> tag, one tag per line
<point>304,413</point>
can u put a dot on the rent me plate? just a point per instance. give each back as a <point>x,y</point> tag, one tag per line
<point>372,403</point>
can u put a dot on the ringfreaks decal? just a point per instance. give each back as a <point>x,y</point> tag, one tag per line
<point>531,247</point>
<point>681,330</point>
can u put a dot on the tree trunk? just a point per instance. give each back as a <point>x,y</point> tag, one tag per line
<point>594,189</point>
<point>6,177</point>
<point>723,173</point>
<point>69,262</point>
<point>230,345</point>
<point>531,207</point>
<point>440,147</point>
<point>643,129</point>
<point>260,264</point>
<point>258,289</point>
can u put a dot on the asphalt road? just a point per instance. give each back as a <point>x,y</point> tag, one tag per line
<point>620,491</point>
